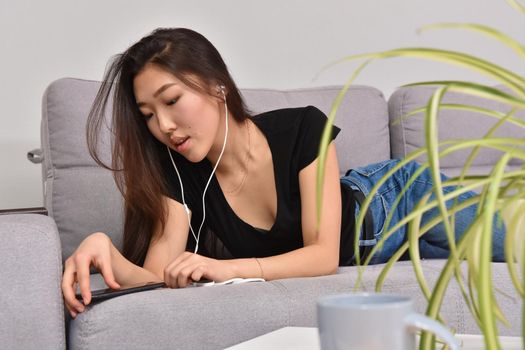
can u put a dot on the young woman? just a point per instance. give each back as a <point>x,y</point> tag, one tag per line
<point>211,191</point>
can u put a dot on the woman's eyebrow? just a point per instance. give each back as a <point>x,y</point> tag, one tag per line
<point>158,92</point>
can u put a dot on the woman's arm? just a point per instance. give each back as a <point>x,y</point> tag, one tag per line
<point>98,250</point>
<point>320,254</point>
<point>167,245</point>
<point>164,247</point>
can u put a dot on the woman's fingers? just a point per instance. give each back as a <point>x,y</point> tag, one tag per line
<point>68,289</point>
<point>186,271</point>
<point>197,274</point>
<point>93,250</point>
<point>186,274</point>
<point>186,268</point>
<point>184,256</point>
<point>107,273</point>
<point>181,275</point>
<point>170,276</point>
<point>172,270</point>
<point>72,312</point>
<point>82,263</point>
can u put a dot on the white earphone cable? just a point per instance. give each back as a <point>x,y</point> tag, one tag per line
<point>207,184</point>
<point>182,193</point>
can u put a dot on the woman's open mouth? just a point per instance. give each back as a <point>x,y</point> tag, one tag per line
<point>181,144</point>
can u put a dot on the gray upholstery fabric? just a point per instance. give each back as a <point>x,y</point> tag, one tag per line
<point>81,197</point>
<point>31,308</point>
<point>221,316</point>
<point>407,133</point>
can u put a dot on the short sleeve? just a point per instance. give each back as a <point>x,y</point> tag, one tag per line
<point>311,130</point>
<point>172,186</point>
<point>171,180</point>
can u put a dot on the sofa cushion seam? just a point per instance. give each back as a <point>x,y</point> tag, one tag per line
<point>47,157</point>
<point>402,111</point>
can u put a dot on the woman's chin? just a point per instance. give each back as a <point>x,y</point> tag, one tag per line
<point>193,157</point>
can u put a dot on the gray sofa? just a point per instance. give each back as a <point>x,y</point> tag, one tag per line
<point>81,198</point>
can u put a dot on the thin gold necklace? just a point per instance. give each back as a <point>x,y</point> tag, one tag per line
<point>246,161</point>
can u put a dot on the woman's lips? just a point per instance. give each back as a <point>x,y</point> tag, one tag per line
<point>180,143</point>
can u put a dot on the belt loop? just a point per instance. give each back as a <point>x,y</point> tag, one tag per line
<point>368,227</point>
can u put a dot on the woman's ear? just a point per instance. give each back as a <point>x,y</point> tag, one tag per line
<point>221,91</point>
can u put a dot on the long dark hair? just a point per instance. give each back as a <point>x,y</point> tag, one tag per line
<point>135,160</point>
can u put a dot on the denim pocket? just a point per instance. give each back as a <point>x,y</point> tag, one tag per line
<point>379,208</point>
<point>363,179</point>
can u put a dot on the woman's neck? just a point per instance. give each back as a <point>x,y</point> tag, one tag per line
<point>238,150</point>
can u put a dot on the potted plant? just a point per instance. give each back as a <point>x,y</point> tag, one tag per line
<point>500,191</point>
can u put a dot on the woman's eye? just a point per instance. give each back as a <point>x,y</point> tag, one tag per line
<point>148,116</point>
<point>173,101</point>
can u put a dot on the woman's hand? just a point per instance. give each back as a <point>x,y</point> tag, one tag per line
<point>189,267</point>
<point>94,250</point>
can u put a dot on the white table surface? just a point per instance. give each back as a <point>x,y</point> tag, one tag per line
<point>307,338</point>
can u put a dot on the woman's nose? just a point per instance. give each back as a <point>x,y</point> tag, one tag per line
<point>166,124</point>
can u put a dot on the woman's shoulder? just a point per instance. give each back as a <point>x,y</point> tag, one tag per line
<point>285,118</point>
<point>290,112</point>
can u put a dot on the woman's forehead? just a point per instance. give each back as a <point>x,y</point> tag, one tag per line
<point>152,80</point>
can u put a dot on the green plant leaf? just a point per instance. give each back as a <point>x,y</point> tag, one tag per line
<point>325,141</point>
<point>433,222</point>
<point>515,220</point>
<point>476,90</point>
<point>484,282</point>
<point>460,107</point>
<point>497,188</point>
<point>508,78</point>
<point>410,216</point>
<point>485,30</point>
<point>519,7</point>
<point>413,248</point>
<point>442,283</point>
<point>431,137</point>
<point>523,304</point>
<point>455,147</point>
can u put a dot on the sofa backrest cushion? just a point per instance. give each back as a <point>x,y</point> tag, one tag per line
<point>407,133</point>
<point>82,197</point>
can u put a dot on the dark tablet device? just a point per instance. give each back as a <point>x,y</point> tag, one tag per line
<point>103,294</point>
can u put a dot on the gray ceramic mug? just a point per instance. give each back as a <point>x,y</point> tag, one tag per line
<point>373,321</point>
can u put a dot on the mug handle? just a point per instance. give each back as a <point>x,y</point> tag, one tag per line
<point>427,324</point>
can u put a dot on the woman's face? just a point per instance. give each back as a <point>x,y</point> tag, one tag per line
<point>182,118</point>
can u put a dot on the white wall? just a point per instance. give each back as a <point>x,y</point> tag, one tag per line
<point>271,43</point>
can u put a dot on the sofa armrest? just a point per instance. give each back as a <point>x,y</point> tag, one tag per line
<point>31,301</point>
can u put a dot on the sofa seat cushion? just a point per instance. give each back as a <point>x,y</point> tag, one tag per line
<point>220,316</point>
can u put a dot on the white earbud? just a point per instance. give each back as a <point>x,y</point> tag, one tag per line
<point>220,89</point>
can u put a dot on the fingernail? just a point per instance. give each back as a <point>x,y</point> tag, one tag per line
<point>73,314</point>
<point>80,308</point>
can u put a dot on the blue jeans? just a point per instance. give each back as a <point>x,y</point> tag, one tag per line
<point>434,243</point>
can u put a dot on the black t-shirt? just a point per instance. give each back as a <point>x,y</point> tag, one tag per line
<point>293,135</point>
